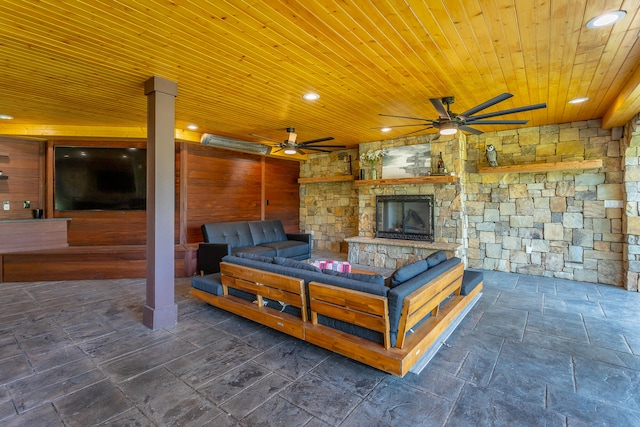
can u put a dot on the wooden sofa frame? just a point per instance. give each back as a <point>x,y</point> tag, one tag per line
<point>441,297</point>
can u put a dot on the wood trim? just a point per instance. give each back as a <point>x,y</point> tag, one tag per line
<point>439,179</point>
<point>543,167</point>
<point>336,178</point>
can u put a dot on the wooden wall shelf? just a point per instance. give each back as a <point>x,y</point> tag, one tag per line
<point>543,167</point>
<point>4,177</point>
<point>336,178</point>
<point>440,179</point>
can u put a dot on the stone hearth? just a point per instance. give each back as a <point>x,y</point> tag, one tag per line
<point>394,253</point>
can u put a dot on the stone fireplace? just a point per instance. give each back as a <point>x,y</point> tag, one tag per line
<point>408,217</point>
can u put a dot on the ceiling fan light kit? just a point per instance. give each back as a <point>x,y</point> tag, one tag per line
<point>448,128</point>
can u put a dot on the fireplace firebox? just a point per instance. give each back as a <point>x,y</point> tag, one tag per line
<point>408,217</point>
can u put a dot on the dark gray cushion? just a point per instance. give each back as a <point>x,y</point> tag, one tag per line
<point>210,283</point>
<point>436,258</point>
<point>235,234</point>
<point>376,279</point>
<point>405,273</point>
<point>255,257</point>
<point>267,231</point>
<point>255,250</point>
<point>287,262</point>
<point>470,280</point>
<point>288,248</point>
<point>397,294</point>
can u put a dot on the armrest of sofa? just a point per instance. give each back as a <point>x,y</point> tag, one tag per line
<point>210,255</point>
<point>301,237</point>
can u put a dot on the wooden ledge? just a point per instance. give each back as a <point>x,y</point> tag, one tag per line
<point>433,179</point>
<point>336,178</point>
<point>543,167</point>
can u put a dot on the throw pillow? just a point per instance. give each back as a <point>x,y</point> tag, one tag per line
<point>288,262</point>
<point>436,258</point>
<point>375,279</point>
<point>409,271</point>
<point>255,257</point>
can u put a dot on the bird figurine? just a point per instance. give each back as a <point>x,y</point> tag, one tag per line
<point>492,155</point>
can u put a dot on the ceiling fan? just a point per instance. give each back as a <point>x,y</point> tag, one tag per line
<point>449,123</point>
<point>291,146</point>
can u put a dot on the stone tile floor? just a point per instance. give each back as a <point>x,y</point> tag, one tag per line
<point>534,351</point>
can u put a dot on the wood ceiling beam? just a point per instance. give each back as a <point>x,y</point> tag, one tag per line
<point>625,105</point>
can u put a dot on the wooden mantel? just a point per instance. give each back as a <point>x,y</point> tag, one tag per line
<point>543,167</point>
<point>433,179</point>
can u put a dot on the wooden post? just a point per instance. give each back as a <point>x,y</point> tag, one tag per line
<point>160,310</point>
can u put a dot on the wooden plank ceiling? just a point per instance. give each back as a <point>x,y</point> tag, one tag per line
<point>77,67</point>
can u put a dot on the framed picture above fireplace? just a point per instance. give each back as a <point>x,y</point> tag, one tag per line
<point>407,161</point>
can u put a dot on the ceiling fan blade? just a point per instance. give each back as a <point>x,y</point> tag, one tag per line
<point>328,138</point>
<point>405,117</point>
<point>264,137</point>
<point>511,111</point>
<point>322,146</point>
<point>279,149</point>
<point>498,122</point>
<point>314,149</point>
<point>442,112</point>
<point>398,126</point>
<point>486,104</point>
<point>470,130</point>
<point>415,131</point>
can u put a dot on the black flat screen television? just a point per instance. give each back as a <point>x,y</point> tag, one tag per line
<point>97,178</point>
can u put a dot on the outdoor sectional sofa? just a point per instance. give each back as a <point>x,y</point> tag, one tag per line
<point>391,328</point>
<point>266,238</point>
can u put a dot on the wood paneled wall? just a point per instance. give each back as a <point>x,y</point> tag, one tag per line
<point>212,185</point>
<point>226,185</point>
<point>20,161</point>
<point>282,192</point>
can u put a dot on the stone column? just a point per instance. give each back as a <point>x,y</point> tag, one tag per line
<point>631,215</point>
<point>160,310</point>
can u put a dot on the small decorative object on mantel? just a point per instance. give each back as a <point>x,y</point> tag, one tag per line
<point>373,157</point>
<point>492,155</point>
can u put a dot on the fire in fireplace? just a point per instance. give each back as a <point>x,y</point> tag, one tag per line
<point>408,217</point>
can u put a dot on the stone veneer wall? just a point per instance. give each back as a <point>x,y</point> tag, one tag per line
<point>581,224</point>
<point>631,219</point>
<point>449,224</point>
<point>329,210</point>
<point>565,224</point>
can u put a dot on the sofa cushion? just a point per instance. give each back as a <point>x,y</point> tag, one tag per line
<point>267,231</point>
<point>470,279</point>
<point>436,258</point>
<point>255,250</point>
<point>211,283</point>
<point>287,262</point>
<point>235,234</point>
<point>397,294</point>
<point>255,257</point>
<point>405,273</point>
<point>376,279</point>
<point>288,248</point>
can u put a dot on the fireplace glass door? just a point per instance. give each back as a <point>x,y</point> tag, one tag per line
<point>405,217</point>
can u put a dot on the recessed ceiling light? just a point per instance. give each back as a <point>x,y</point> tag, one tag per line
<point>192,127</point>
<point>311,96</point>
<point>5,117</point>
<point>578,100</point>
<point>606,19</point>
<point>385,129</point>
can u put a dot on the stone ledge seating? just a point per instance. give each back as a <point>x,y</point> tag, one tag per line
<point>266,238</point>
<point>356,315</point>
